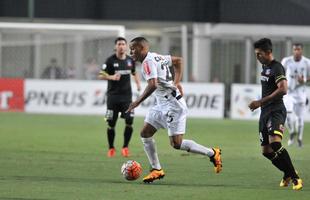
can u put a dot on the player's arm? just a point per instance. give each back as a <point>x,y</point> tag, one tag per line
<point>280,80</point>
<point>136,77</point>
<point>104,75</point>
<point>279,92</point>
<point>177,64</point>
<point>308,72</point>
<point>150,88</point>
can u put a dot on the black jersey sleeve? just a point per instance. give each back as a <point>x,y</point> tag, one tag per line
<point>107,67</point>
<point>279,73</point>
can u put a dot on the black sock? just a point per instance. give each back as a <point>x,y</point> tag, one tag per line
<point>276,161</point>
<point>127,135</point>
<point>285,157</point>
<point>111,136</point>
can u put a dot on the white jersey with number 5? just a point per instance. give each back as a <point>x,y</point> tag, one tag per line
<point>157,66</point>
<point>295,69</point>
<point>171,110</point>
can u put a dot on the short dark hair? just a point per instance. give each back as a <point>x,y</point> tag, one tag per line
<point>263,44</point>
<point>140,40</point>
<point>120,39</point>
<point>297,44</point>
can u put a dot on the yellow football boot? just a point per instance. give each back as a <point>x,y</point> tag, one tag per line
<point>217,160</point>
<point>297,184</point>
<point>154,175</point>
<point>285,182</point>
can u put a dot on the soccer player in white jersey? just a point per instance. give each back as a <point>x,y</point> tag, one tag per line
<point>297,72</point>
<point>170,110</point>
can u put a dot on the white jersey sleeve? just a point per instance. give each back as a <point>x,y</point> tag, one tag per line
<point>304,68</point>
<point>149,69</point>
<point>158,66</point>
<point>307,68</point>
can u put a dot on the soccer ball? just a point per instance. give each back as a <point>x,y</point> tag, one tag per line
<point>131,170</point>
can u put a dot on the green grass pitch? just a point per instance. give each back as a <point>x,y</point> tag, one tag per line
<point>64,157</point>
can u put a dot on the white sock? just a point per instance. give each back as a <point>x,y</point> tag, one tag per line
<point>300,110</point>
<point>151,152</point>
<point>300,129</point>
<point>290,122</point>
<point>193,147</point>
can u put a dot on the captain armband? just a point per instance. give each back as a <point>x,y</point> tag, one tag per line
<point>278,78</point>
<point>103,73</point>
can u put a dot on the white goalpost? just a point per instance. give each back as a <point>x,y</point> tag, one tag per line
<point>27,48</point>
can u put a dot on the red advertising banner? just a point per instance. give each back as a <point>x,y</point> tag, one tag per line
<point>11,94</point>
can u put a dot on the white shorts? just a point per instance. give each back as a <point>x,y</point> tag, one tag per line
<point>171,116</point>
<point>292,106</point>
<point>289,103</point>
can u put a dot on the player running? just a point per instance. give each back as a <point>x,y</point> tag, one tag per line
<point>170,110</point>
<point>297,73</point>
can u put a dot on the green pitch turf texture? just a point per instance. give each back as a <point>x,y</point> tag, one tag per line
<point>64,157</point>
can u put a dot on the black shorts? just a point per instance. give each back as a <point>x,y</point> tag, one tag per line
<point>271,123</point>
<point>116,107</point>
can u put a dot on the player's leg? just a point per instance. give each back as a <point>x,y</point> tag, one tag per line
<point>265,124</point>
<point>152,123</point>
<point>148,141</point>
<point>275,130</point>
<point>300,111</point>
<point>177,142</point>
<point>111,118</point>
<point>291,118</point>
<point>128,128</point>
<point>291,124</point>
<point>176,122</point>
<point>282,154</point>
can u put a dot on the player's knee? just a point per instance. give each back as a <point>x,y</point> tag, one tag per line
<point>300,121</point>
<point>111,123</point>
<point>175,145</point>
<point>111,127</point>
<point>145,134</point>
<point>276,147</point>
<point>129,121</point>
<point>128,125</point>
<point>268,155</point>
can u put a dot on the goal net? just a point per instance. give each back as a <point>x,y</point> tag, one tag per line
<point>55,51</point>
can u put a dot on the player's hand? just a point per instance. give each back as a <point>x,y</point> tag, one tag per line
<point>132,106</point>
<point>179,86</point>
<point>254,105</point>
<point>301,80</point>
<point>116,77</point>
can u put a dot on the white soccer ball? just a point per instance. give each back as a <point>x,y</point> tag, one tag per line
<point>131,170</point>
